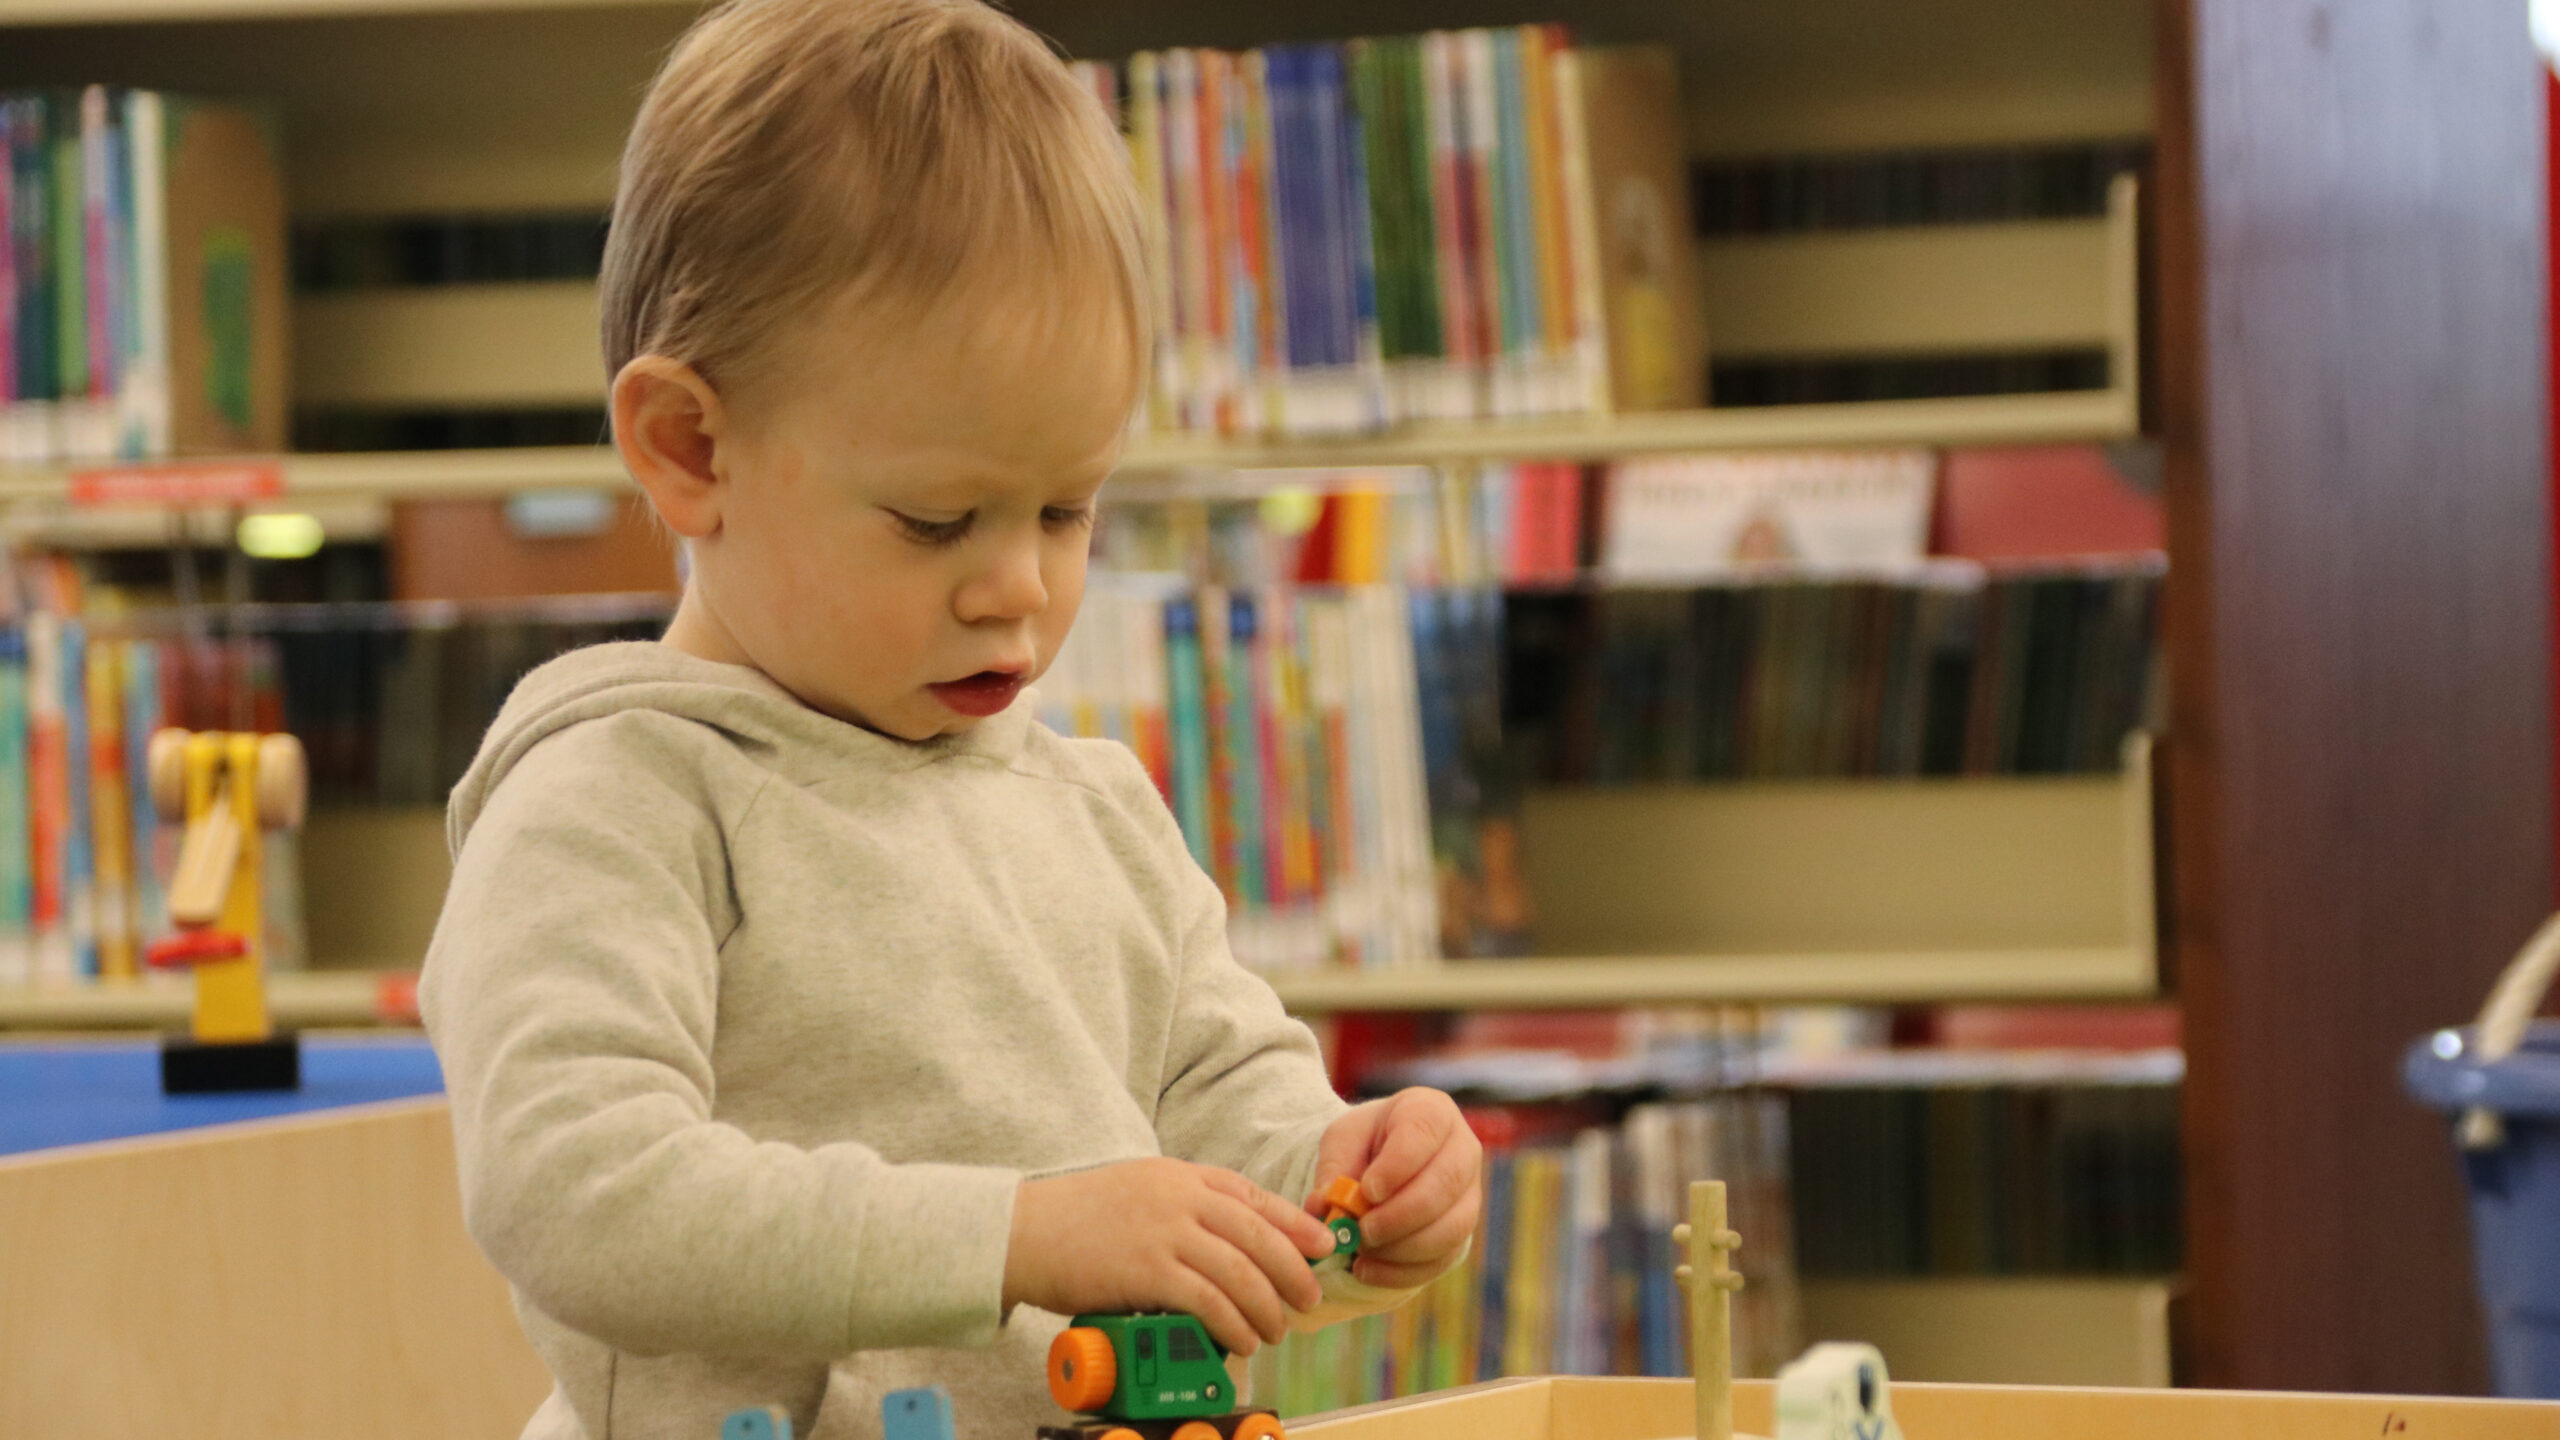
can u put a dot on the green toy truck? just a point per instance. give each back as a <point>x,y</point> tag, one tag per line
<point>1148,1377</point>
<point>1164,1376</point>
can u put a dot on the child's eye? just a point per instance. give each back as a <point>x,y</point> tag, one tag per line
<point>1063,518</point>
<point>933,532</point>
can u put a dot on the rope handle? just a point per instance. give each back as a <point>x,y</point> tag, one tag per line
<point>2500,1029</point>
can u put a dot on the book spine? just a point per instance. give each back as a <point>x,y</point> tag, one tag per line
<point>1516,234</point>
<point>154,846</point>
<point>1193,317</point>
<point>31,215</point>
<point>110,810</point>
<point>1479,93</point>
<point>1262,238</point>
<point>17,881</point>
<point>48,796</point>
<point>1147,158</point>
<point>147,383</point>
<point>95,437</point>
<point>1461,327</point>
<point>1582,236</point>
<point>1187,706</point>
<point>11,446</point>
<point>80,858</point>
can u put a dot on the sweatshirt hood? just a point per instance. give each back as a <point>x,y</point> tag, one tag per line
<point>741,702</point>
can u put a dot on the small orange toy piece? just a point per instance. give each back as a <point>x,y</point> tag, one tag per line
<point>196,947</point>
<point>1194,1430</point>
<point>1082,1370</point>
<point>1260,1425</point>
<point>1343,1197</point>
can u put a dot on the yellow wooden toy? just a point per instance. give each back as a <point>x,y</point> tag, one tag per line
<point>1710,1280</point>
<point>229,789</point>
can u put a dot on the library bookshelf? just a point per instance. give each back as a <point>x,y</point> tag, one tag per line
<point>2357,594</point>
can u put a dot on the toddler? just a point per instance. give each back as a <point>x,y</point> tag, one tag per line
<point>816,1023</point>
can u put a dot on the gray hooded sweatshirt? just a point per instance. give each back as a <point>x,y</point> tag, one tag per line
<point>753,1021</point>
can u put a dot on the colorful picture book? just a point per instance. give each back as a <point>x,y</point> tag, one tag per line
<point>1467,224</point>
<point>142,286</point>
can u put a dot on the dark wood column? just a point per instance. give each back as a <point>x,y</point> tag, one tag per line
<point>2350,359</point>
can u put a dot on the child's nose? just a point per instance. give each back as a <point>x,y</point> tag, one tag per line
<point>1010,588</point>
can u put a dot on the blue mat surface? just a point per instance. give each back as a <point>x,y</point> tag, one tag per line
<point>76,1092</point>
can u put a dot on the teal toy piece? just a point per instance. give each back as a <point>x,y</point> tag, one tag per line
<point>923,1413</point>
<point>764,1422</point>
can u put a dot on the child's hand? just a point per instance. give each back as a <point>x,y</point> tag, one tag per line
<point>1421,1169</point>
<point>1164,1235</point>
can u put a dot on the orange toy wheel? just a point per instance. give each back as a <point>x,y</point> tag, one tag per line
<point>1344,1195</point>
<point>1194,1430</point>
<point>1082,1369</point>
<point>1260,1425</point>
<point>1119,1432</point>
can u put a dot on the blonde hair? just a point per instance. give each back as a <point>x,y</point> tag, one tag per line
<point>790,151</point>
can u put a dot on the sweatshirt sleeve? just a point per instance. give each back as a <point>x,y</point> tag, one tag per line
<point>572,991</point>
<point>1245,1084</point>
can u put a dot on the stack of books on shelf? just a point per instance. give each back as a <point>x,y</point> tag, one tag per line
<point>1883,1164</point>
<point>390,702</point>
<point>84,858</point>
<point>142,286</point>
<point>1321,709</point>
<point>1953,671</point>
<point>1992,1170</point>
<point>1571,1270</point>
<point>1345,236</point>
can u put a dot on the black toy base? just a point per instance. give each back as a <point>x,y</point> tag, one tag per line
<point>189,1066</point>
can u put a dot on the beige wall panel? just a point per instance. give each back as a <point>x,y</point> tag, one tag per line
<point>1925,288</point>
<point>2002,1331</point>
<point>528,344</point>
<point>305,1279</point>
<point>1857,866</point>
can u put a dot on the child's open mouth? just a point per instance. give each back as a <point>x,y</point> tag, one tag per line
<point>981,694</point>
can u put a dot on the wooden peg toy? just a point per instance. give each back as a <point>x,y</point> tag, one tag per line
<point>228,790</point>
<point>1710,1280</point>
<point>763,1422</point>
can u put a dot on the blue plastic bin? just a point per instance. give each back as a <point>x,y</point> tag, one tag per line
<point>2515,1191</point>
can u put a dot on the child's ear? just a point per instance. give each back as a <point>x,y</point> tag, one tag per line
<point>667,422</point>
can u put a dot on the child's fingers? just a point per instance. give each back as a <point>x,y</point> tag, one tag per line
<point>1201,1296</point>
<point>1302,1229</point>
<point>1282,1265</point>
<point>1344,1150</point>
<point>1438,1239</point>
<point>1246,1288</point>
<point>1396,1275</point>
<point>1414,1130</point>
<point>1448,1177</point>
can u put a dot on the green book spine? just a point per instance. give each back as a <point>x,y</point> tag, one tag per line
<point>65,210</point>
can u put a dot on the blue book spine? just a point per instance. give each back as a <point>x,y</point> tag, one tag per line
<point>1244,748</point>
<point>1500,1174</point>
<point>79,861</point>
<point>142,717</point>
<point>31,233</point>
<point>17,876</point>
<point>1522,311</point>
<point>1285,96</point>
<point>1341,309</point>
<point>1186,717</point>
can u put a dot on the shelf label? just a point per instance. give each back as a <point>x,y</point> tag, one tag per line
<point>225,482</point>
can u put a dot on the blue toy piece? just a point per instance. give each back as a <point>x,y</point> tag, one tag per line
<point>923,1413</point>
<point>764,1422</point>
